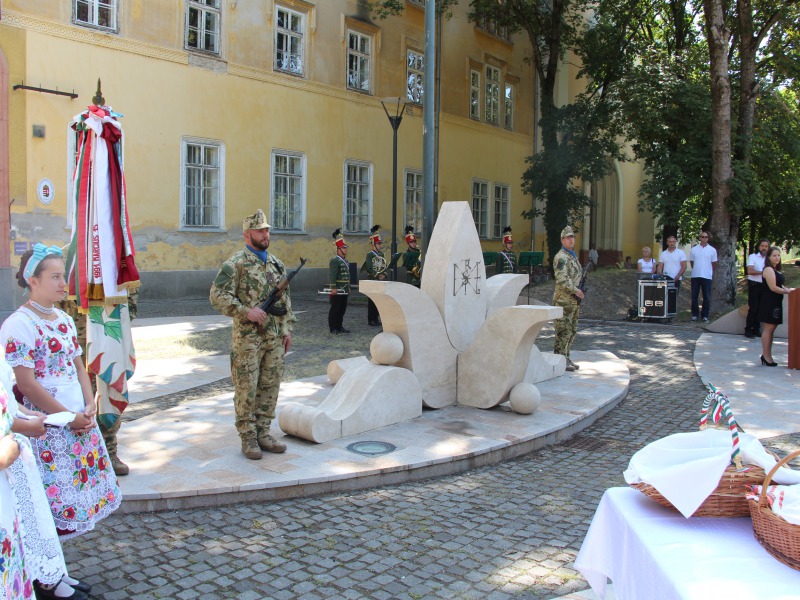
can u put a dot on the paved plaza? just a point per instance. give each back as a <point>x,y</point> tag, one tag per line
<point>508,530</point>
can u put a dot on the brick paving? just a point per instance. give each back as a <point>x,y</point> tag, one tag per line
<point>510,530</point>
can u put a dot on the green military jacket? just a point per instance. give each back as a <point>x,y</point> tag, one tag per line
<point>244,282</point>
<point>339,274</point>
<point>370,263</point>
<point>506,262</point>
<point>568,277</point>
<point>410,260</point>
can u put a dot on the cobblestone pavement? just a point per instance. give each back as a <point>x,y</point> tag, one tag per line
<point>510,530</point>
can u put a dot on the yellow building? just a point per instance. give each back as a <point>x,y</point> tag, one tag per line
<point>230,106</point>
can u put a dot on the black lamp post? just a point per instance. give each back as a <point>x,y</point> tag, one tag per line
<point>394,109</point>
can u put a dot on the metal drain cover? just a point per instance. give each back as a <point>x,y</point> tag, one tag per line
<point>372,448</point>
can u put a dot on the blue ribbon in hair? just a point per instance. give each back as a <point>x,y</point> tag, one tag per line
<point>40,252</point>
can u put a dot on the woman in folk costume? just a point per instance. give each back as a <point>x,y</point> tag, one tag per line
<point>44,559</point>
<point>42,347</point>
<point>15,579</point>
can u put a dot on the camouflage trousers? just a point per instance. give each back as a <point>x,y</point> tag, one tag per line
<point>256,369</point>
<point>566,327</point>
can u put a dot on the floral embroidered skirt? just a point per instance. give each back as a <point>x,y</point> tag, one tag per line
<point>14,579</point>
<point>78,479</point>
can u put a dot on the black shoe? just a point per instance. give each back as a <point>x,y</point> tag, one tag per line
<point>86,588</point>
<point>343,330</point>
<point>45,594</point>
<point>749,335</point>
<point>374,323</point>
<point>767,364</point>
<point>335,331</point>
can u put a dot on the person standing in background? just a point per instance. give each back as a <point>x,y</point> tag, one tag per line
<point>375,267</point>
<point>672,263</point>
<point>506,259</point>
<point>339,280</point>
<point>755,266</point>
<point>703,258</point>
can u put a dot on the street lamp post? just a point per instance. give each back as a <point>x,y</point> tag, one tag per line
<point>394,109</point>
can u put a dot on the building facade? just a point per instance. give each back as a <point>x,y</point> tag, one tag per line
<point>230,106</point>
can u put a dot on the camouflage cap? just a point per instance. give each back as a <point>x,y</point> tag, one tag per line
<point>258,220</point>
<point>567,232</point>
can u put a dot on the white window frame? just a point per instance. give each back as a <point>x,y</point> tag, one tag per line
<point>480,206</point>
<point>492,111</point>
<point>288,34</point>
<point>508,106</point>
<point>363,59</point>
<point>364,219</point>
<point>204,9</point>
<point>281,224</point>
<point>412,199</point>
<point>220,208</point>
<point>475,94</point>
<point>501,205</point>
<point>415,76</point>
<point>93,10</point>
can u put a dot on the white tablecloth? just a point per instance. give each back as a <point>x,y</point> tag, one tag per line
<point>652,553</point>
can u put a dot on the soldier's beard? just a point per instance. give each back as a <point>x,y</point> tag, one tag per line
<point>258,245</point>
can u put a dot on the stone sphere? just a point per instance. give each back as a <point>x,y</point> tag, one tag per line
<point>525,398</point>
<point>386,348</point>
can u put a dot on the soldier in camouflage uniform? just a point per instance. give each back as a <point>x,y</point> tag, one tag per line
<point>339,279</point>
<point>568,277</point>
<point>375,267</point>
<point>109,432</point>
<point>506,259</point>
<point>260,340</point>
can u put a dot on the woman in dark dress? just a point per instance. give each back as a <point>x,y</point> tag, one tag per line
<point>770,306</point>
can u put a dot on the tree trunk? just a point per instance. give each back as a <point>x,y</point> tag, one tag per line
<point>724,227</point>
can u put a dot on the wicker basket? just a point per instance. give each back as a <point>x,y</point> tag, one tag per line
<point>727,500</point>
<point>779,537</point>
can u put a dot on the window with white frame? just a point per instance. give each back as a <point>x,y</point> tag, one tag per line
<point>359,55</point>
<point>492,94</point>
<point>412,206</point>
<point>415,76</point>
<point>202,183</point>
<point>508,118</point>
<point>500,216</point>
<point>202,25</point>
<point>475,95</point>
<point>97,13</point>
<point>480,206</point>
<point>288,190</point>
<point>357,197</point>
<point>289,41</point>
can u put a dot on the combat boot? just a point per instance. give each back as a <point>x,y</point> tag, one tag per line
<point>250,448</point>
<point>571,366</point>
<point>270,444</point>
<point>120,468</point>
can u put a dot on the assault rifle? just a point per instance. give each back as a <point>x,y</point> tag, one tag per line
<point>268,305</point>
<point>582,284</point>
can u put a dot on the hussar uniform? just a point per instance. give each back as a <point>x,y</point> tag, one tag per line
<point>257,351</point>
<point>339,280</point>
<point>411,258</point>
<point>506,259</point>
<point>567,271</point>
<point>375,267</point>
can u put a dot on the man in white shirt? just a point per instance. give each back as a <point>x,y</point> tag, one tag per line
<point>703,259</point>
<point>755,265</point>
<point>672,262</point>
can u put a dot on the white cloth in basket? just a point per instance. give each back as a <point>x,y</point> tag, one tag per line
<point>784,500</point>
<point>686,467</point>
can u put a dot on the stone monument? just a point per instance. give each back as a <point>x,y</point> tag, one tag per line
<point>459,338</point>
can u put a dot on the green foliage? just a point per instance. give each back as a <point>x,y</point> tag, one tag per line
<point>382,9</point>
